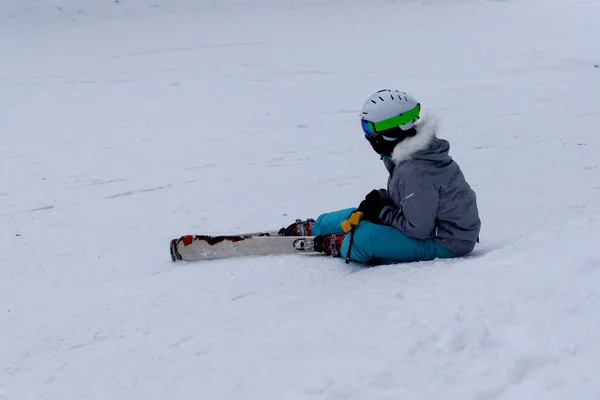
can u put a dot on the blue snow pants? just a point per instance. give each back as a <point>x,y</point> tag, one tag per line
<point>373,242</point>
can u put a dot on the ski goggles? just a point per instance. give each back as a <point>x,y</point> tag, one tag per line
<point>371,129</point>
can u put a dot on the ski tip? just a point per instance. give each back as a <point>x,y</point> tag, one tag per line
<point>173,249</point>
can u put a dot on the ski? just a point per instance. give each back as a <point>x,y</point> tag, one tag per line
<point>207,247</point>
<point>296,237</point>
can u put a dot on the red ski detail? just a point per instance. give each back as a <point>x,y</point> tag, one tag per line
<point>212,240</point>
<point>187,240</point>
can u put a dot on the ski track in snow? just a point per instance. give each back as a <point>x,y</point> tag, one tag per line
<point>124,127</point>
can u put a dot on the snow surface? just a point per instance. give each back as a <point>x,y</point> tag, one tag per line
<point>124,124</point>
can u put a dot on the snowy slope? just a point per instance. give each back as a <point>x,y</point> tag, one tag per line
<point>121,129</point>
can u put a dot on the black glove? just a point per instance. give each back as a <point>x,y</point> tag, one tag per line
<point>371,206</point>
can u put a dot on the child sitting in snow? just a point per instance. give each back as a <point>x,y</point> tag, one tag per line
<point>428,209</point>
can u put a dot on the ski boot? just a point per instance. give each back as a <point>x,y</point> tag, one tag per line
<point>298,228</point>
<point>329,244</point>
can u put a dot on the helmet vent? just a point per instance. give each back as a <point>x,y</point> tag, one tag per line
<point>392,96</point>
<point>381,98</point>
<point>373,101</point>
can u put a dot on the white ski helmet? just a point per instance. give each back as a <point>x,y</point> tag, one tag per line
<point>387,104</point>
<point>387,118</point>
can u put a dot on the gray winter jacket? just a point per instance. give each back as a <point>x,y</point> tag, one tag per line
<point>428,195</point>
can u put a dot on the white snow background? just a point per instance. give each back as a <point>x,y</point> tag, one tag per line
<point>125,124</point>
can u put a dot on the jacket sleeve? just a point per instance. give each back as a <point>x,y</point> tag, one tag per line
<point>416,214</point>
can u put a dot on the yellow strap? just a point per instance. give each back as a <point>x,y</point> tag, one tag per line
<point>354,219</point>
<point>346,226</point>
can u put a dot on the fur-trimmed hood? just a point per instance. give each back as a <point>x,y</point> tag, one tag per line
<point>424,145</point>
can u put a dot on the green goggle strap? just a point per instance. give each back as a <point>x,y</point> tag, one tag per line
<point>398,120</point>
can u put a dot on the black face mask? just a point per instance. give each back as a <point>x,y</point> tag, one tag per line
<point>385,141</point>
